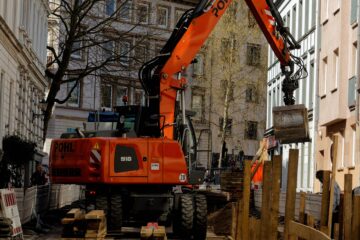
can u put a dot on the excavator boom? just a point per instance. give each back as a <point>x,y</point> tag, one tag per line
<point>190,34</point>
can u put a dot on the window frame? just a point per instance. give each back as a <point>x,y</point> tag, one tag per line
<point>201,95</point>
<point>107,8</point>
<point>138,17</point>
<point>143,98</point>
<point>129,4</point>
<point>168,14</point>
<point>250,47</point>
<point>116,94</point>
<point>128,54</point>
<point>247,135</point>
<point>111,95</point>
<point>77,89</point>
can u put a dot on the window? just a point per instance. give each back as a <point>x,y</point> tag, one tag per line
<point>109,7</point>
<point>336,68</point>
<point>106,96</point>
<point>143,13</point>
<point>224,86</point>
<point>313,13</point>
<point>251,130</point>
<point>124,51</point>
<point>251,20</point>
<point>251,95</point>
<point>353,150</point>
<point>353,65</point>
<point>311,85</point>
<point>198,65</point>
<point>253,54</point>
<point>228,126</point>
<point>120,93</point>
<point>304,87</point>
<point>163,16</point>
<point>197,105</point>
<point>342,153</point>
<point>300,19</point>
<point>325,75</point>
<point>353,15</point>
<point>178,15</point>
<point>293,21</point>
<point>74,100</point>
<point>307,16</point>
<point>141,53</point>
<point>76,51</point>
<point>139,97</point>
<point>109,49</point>
<point>352,93</point>
<point>125,10</point>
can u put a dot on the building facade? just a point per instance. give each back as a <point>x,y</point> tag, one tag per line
<point>338,84</point>
<point>230,83</point>
<point>23,37</point>
<point>301,18</point>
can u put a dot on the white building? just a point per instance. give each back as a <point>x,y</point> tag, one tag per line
<point>301,17</point>
<point>23,38</point>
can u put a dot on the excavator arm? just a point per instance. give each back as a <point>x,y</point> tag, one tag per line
<point>161,77</point>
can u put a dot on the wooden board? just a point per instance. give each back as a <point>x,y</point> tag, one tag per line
<point>246,201</point>
<point>325,199</point>
<point>332,183</point>
<point>347,207</point>
<point>275,196</point>
<point>356,218</point>
<point>305,232</point>
<point>291,190</point>
<point>265,208</point>
<point>302,208</point>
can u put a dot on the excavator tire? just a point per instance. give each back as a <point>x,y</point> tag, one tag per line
<point>116,212</point>
<point>112,208</point>
<point>184,219</point>
<point>102,203</point>
<point>200,217</point>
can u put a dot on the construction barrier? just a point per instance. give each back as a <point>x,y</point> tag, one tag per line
<point>9,209</point>
<point>38,199</point>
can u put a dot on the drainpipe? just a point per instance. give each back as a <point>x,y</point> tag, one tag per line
<point>316,90</point>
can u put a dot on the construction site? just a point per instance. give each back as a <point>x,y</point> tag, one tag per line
<point>182,119</point>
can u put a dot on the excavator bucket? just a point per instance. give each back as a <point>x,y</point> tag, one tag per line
<point>291,124</point>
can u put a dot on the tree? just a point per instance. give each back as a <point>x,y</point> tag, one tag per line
<point>236,84</point>
<point>84,39</point>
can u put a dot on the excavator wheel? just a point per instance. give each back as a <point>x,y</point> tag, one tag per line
<point>112,208</point>
<point>200,217</point>
<point>116,212</point>
<point>102,203</point>
<point>184,219</point>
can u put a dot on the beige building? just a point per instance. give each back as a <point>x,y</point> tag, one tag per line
<point>338,70</point>
<point>230,83</point>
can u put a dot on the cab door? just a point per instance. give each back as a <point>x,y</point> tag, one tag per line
<point>128,159</point>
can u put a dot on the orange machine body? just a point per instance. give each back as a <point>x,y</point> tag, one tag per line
<point>117,161</point>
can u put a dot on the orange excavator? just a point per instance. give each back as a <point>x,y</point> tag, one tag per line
<point>131,172</point>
